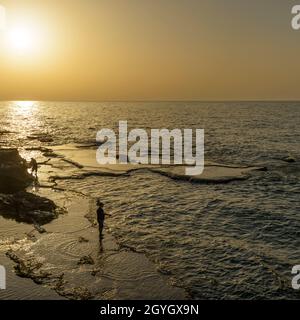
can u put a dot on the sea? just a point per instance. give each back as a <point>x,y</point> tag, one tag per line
<point>235,240</point>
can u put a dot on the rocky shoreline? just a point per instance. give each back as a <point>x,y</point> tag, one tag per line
<point>62,216</point>
<point>58,246</point>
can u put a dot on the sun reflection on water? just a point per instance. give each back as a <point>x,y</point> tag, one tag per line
<point>25,120</point>
<point>24,108</point>
<point>25,104</point>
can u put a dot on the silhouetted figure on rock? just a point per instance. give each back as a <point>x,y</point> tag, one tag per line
<point>34,166</point>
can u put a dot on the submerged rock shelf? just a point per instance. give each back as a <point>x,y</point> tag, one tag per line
<point>85,160</point>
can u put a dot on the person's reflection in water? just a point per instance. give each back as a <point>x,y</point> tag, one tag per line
<point>36,184</point>
<point>101,248</point>
<point>100,218</point>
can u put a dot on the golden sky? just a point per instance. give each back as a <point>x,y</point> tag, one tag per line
<point>149,50</point>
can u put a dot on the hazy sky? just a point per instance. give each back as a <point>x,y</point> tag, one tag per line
<point>151,49</point>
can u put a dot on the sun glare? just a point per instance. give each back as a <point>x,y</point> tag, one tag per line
<point>25,104</point>
<point>22,40</point>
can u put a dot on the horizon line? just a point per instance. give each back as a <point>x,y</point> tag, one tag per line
<point>155,100</point>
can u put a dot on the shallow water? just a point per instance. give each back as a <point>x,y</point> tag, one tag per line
<point>236,240</point>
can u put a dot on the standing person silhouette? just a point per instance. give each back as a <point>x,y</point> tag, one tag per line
<point>34,166</point>
<point>100,217</point>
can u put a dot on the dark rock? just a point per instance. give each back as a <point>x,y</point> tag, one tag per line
<point>289,159</point>
<point>164,270</point>
<point>95,272</point>
<point>78,293</point>
<point>28,268</point>
<point>82,240</point>
<point>86,260</point>
<point>42,137</point>
<point>51,154</point>
<point>46,139</point>
<point>31,268</point>
<point>31,237</point>
<point>75,164</point>
<point>28,207</point>
<point>2,132</point>
<point>38,148</point>
<point>14,176</point>
<point>39,228</point>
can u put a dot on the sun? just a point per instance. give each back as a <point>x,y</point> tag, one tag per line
<point>22,40</point>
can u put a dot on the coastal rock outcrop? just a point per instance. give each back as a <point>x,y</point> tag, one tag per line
<point>86,260</point>
<point>28,207</point>
<point>15,202</point>
<point>13,172</point>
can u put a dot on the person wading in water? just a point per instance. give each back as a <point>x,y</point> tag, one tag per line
<point>100,217</point>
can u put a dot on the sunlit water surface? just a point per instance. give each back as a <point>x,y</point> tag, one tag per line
<point>236,240</point>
